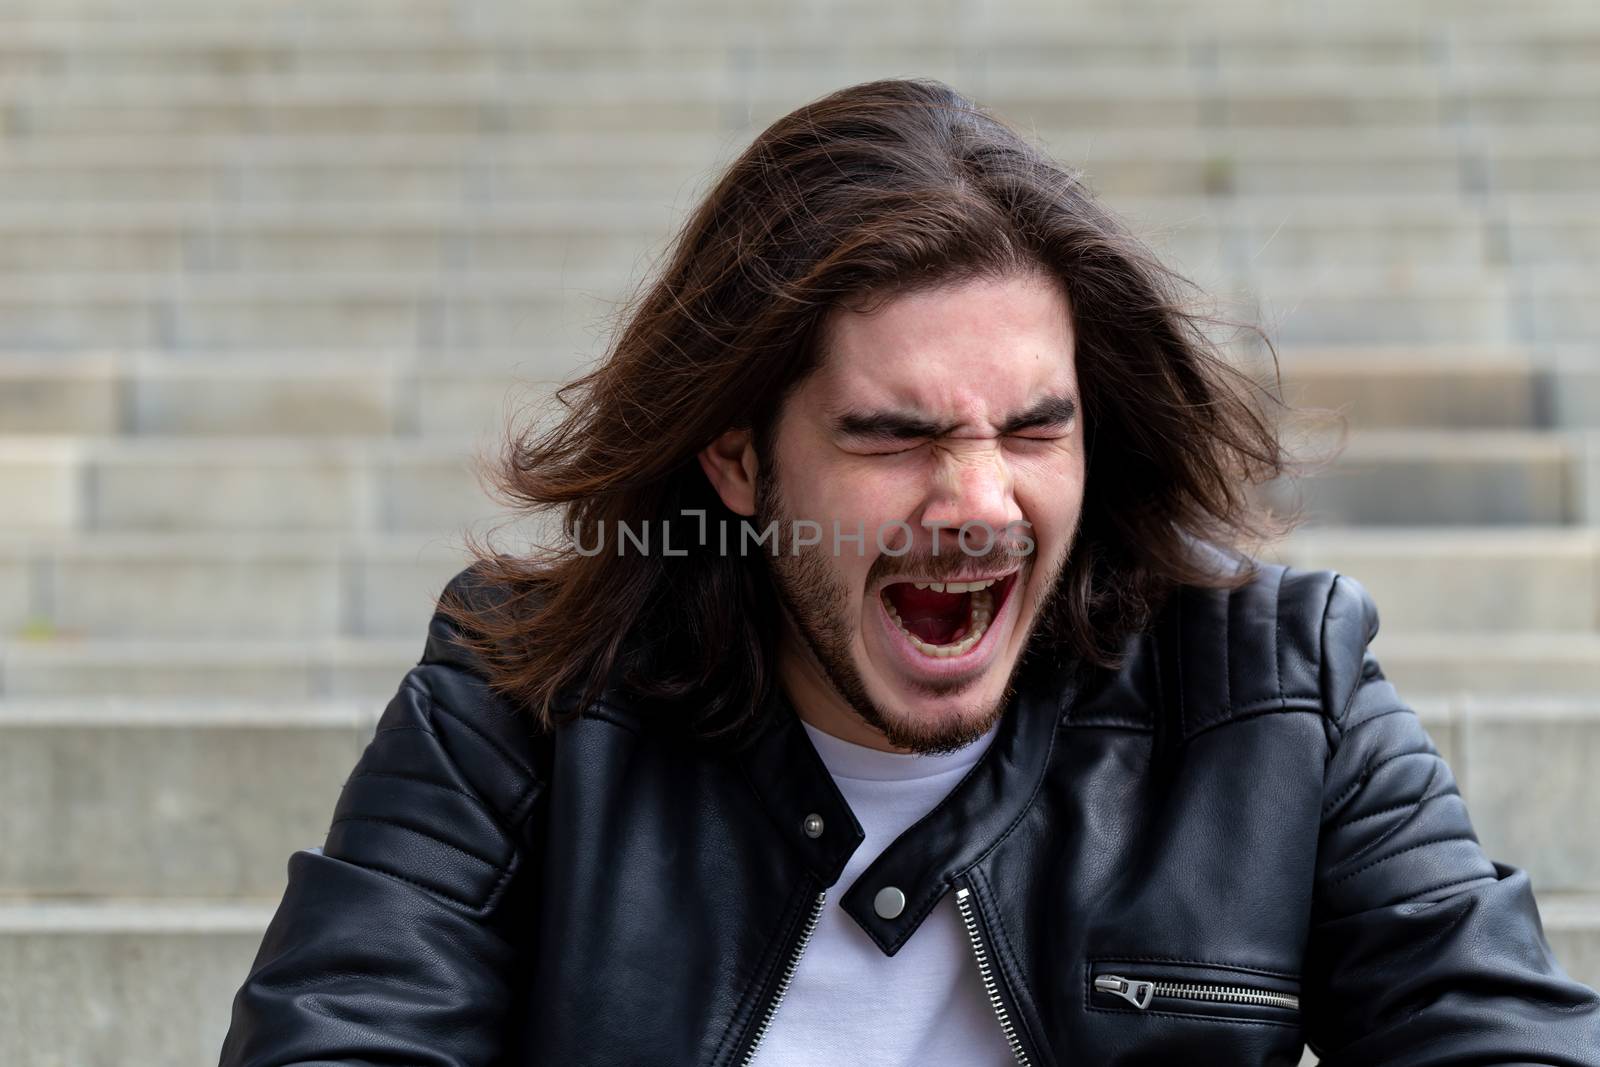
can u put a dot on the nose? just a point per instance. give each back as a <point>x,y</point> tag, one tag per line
<point>973,483</point>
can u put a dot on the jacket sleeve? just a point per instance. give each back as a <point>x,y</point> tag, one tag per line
<point>1423,951</point>
<point>398,943</point>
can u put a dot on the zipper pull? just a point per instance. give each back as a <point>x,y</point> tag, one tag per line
<point>1135,991</point>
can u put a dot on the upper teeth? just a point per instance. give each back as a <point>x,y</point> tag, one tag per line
<point>956,587</point>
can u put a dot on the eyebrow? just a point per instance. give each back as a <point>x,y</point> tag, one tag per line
<point>1052,410</point>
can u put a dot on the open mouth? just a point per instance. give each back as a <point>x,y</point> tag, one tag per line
<point>943,620</point>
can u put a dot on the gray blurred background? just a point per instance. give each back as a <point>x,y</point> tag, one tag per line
<point>274,272</point>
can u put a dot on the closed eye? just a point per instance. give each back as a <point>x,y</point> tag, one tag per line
<point>893,451</point>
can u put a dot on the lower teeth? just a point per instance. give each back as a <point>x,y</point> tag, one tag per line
<point>982,608</point>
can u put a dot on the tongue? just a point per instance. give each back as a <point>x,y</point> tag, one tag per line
<point>935,617</point>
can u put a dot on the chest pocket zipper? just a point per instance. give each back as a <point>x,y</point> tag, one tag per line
<point>1141,992</point>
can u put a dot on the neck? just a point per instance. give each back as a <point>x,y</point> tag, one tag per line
<point>817,702</point>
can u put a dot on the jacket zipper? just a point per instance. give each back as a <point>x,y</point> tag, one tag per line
<point>788,976</point>
<point>991,986</point>
<point>1139,992</point>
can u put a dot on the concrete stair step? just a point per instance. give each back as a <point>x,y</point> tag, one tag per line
<point>1462,662</point>
<point>343,394</point>
<point>1531,578</point>
<point>1029,74</point>
<point>123,983</point>
<point>1448,387</point>
<point>599,150</point>
<point>1440,386</point>
<point>241,484</point>
<point>656,166</point>
<point>705,33</point>
<point>405,394</point>
<point>1402,306</point>
<point>1377,159</point>
<point>1531,662</point>
<point>627,99</point>
<point>1393,233</point>
<point>1437,386</point>
<point>283,586</point>
<point>1296,241</point>
<point>436,238</point>
<point>101,14</point>
<point>304,175</point>
<point>579,215</point>
<point>165,586</point>
<point>148,984</point>
<point>564,311</point>
<point>704,37</point>
<point>1232,12</point>
<point>1388,139</point>
<point>1452,477</point>
<point>135,182</point>
<point>285,394</point>
<point>205,797</point>
<point>321,669</point>
<point>514,182</point>
<point>201,798</point>
<point>639,79</point>
<point>688,48</point>
<point>593,151</point>
<point>557,314</point>
<point>353,485</point>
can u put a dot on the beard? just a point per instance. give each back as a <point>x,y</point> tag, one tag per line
<point>816,606</point>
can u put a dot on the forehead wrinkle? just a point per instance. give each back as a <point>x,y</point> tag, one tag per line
<point>897,383</point>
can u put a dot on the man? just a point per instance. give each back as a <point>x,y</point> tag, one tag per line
<point>899,693</point>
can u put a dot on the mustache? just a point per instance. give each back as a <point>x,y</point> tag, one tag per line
<point>1002,558</point>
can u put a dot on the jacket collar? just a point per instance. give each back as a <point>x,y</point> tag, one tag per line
<point>793,783</point>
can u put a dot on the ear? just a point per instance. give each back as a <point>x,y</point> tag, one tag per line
<point>730,463</point>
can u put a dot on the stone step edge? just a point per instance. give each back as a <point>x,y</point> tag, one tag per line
<point>257,287</point>
<point>165,28</point>
<point>1253,144</point>
<point>1300,360</point>
<point>1440,357</point>
<point>1429,542</point>
<point>633,82</point>
<point>1444,441</point>
<point>454,149</point>
<point>191,712</point>
<point>134,916</point>
<point>629,217</point>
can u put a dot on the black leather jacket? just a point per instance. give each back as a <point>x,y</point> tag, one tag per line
<point>1241,842</point>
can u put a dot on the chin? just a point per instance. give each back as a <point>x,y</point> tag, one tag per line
<point>918,722</point>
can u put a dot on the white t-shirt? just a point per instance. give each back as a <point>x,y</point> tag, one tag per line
<point>849,1003</point>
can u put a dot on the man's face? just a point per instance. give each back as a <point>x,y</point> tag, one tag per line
<point>957,405</point>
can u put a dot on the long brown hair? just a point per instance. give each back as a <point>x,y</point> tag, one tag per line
<point>873,191</point>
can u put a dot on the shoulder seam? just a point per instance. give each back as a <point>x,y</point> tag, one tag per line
<point>1336,720</point>
<point>493,742</point>
<point>532,784</point>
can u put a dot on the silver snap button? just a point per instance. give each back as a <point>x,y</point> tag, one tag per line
<point>813,825</point>
<point>889,902</point>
